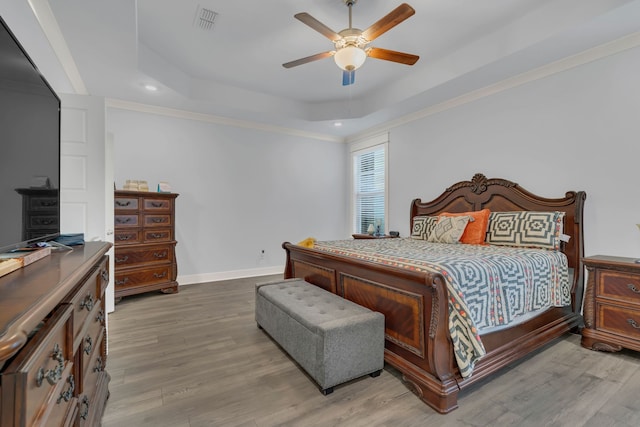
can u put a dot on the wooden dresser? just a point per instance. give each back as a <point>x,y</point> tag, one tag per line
<point>612,304</point>
<point>53,340</point>
<point>144,243</point>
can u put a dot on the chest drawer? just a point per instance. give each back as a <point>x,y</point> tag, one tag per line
<point>83,303</point>
<point>146,276</point>
<point>157,205</point>
<point>122,220</point>
<point>158,235</point>
<point>41,375</point>
<point>619,285</point>
<point>38,221</point>
<point>157,220</point>
<point>123,237</point>
<point>43,203</point>
<point>126,203</point>
<point>133,256</point>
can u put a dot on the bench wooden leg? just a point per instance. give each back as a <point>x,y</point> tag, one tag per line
<point>375,374</point>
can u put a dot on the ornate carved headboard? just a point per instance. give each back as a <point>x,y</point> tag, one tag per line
<point>501,195</point>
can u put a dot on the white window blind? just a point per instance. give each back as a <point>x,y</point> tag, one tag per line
<point>369,189</point>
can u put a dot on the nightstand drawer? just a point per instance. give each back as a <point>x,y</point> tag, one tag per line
<point>619,285</point>
<point>619,321</point>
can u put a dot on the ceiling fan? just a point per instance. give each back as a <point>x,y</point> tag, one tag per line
<point>351,44</point>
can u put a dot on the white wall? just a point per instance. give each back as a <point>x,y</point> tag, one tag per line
<point>241,190</point>
<point>575,130</point>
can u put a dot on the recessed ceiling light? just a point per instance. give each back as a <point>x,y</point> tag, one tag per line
<point>337,124</point>
<point>150,87</point>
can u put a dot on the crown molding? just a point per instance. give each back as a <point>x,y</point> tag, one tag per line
<point>607,49</point>
<point>210,118</point>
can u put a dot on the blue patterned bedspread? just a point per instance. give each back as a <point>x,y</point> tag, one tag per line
<point>488,285</point>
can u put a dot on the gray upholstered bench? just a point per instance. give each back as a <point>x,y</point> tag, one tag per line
<point>334,340</point>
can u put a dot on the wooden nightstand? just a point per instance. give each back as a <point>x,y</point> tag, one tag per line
<point>612,304</point>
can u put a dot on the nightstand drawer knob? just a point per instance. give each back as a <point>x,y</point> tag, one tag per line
<point>633,288</point>
<point>633,323</point>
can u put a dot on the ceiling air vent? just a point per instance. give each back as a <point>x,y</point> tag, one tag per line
<point>204,18</point>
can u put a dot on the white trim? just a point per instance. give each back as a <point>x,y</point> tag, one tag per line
<point>210,118</point>
<point>228,275</point>
<point>607,49</point>
<point>368,142</point>
<point>49,24</point>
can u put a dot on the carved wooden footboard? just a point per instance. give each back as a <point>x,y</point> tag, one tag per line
<point>415,304</point>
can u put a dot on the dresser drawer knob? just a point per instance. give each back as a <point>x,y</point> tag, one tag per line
<point>99,365</point>
<point>633,288</point>
<point>52,375</point>
<point>67,394</point>
<point>633,323</point>
<point>88,345</point>
<point>84,408</point>
<point>87,303</point>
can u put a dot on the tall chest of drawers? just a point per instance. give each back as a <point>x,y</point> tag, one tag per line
<point>612,304</point>
<point>39,212</point>
<point>145,243</point>
<point>53,340</point>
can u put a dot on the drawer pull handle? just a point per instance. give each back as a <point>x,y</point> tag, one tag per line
<point>87,303</point>
<point>123,220</point>
<point>105,275</point>
<point>122,281</point>
<point>44,221</point>
<point>156,235</point>
<point>88,345</point>
<point>124,237</point>
<point>100,316</point>
<point>633,288</point>
<point>123,204</point>
<point>84,408</point>
<point>52,375</point>
<point>157,204</point>
<point>68,393</point>
<point>48,204</point>
<point>160,276</point>
<point>633,323</point>
<point>160,254</point>
<point>158,220</point>
<point>123,259</point>
<point>99,365</point>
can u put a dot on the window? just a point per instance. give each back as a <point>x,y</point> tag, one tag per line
<point>369,188</point>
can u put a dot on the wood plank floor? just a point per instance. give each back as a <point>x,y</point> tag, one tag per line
<point>196,359</point>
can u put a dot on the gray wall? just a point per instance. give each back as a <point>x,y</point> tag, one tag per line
<point>241,190</point>
<point>575,130</point>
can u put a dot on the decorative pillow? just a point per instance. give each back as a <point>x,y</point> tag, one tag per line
<point>449,229</point>
<point>526,229</point>
<point>476,231</point>
<point>422,226</point>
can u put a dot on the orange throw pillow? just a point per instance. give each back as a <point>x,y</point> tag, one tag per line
<point>476,231</point>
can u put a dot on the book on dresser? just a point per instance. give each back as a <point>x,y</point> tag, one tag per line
<point>145,243</point>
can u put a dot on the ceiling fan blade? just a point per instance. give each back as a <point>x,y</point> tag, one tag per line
<point>389,21</point>
<point>305,18</point>
<point>307,59</point>
<point>348,77</point>
<point>392,55</point>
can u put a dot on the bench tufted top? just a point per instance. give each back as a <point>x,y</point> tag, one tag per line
<point>310,305</point>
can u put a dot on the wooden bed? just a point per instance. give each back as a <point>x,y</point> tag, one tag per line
<point>415,303</point>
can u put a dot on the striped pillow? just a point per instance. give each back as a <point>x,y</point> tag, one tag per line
<point>526,229</point>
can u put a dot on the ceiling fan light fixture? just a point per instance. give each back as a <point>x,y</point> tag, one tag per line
<point>350,58</point>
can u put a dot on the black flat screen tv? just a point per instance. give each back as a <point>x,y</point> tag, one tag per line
<point>29,149</point>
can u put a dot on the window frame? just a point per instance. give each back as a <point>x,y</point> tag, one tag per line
<point>359,148</point>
